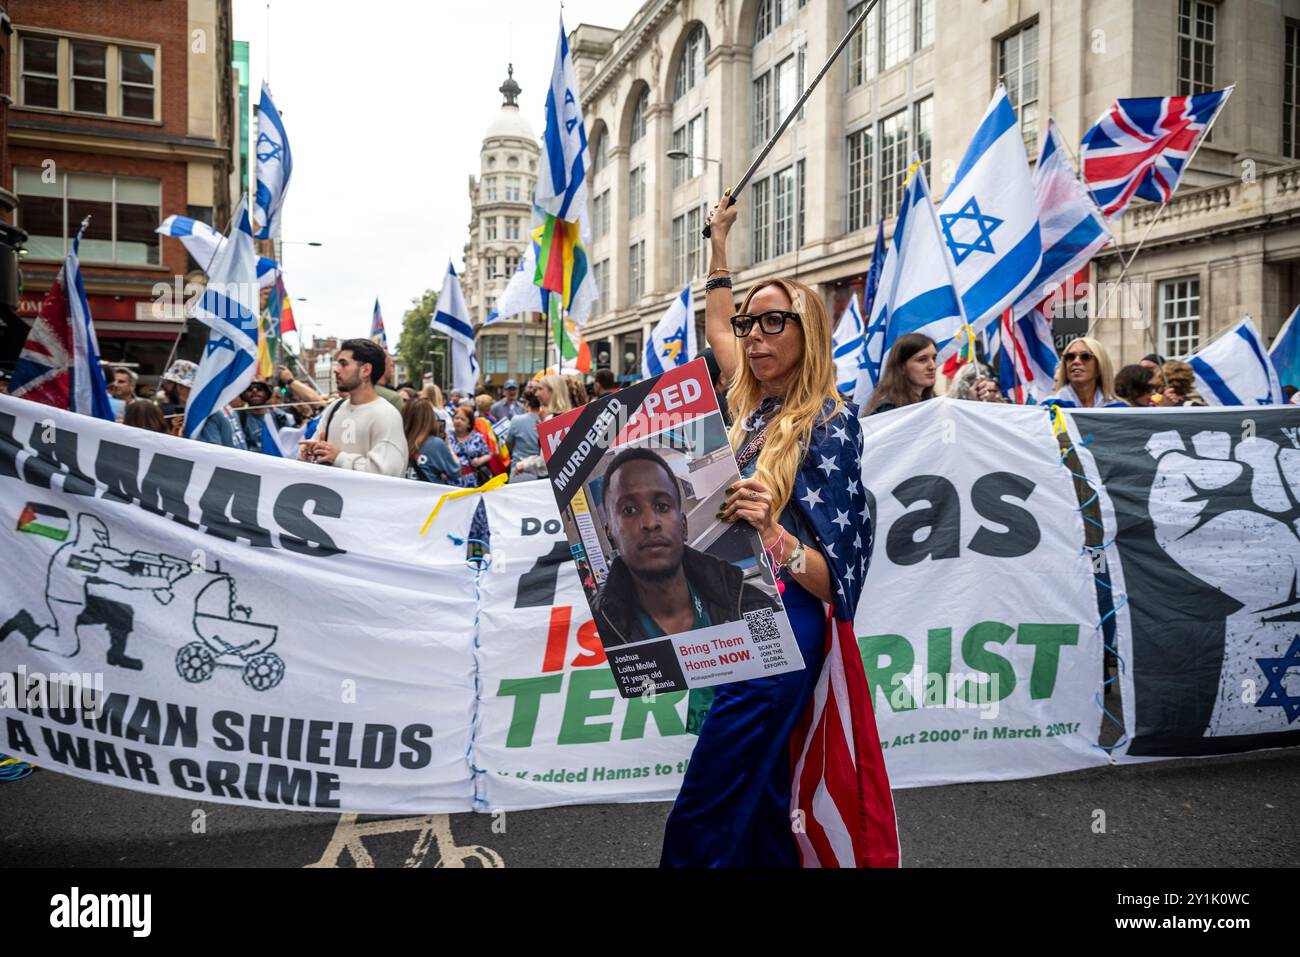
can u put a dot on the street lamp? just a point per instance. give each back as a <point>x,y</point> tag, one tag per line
<point>683,155</point>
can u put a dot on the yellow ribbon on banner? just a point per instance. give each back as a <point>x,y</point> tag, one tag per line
<point>1058,421</point>
<point>495,481</point>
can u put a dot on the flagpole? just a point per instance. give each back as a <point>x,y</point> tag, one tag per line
<point>1110,293</point>
<point>730,198</point>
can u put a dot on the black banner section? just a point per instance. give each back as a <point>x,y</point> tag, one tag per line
<point>598,422</point>
<point>1207,506</point>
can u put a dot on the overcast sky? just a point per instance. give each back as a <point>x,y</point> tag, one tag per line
<point>385,104</point>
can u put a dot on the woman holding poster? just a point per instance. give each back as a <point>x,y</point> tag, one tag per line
<point>772,750</point>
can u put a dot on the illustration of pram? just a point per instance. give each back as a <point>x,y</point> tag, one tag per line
<point>230,638</point>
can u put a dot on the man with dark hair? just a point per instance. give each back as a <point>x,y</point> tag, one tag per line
<point>658,585</point>
<point>361,432</point>
<point>603,382</point>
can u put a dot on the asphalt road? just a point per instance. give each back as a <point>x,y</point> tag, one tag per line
<point>1218,812</point>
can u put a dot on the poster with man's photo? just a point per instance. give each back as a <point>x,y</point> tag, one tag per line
<point>680,598</point>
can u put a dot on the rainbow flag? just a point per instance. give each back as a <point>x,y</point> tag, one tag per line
<point>561,258</point>
<point>281,296</point>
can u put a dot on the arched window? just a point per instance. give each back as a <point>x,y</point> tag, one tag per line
<point>638,117</point>
<point>690,68</point>
<point>600,153</point>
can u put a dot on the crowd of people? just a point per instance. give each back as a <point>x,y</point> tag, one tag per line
<point>366,425</point>
<point>1085,378</point>
<point>467,440</point>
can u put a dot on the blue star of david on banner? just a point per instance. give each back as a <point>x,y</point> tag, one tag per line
<point>982,243</point>
<point>267,148</point>
<point>1275,670</point>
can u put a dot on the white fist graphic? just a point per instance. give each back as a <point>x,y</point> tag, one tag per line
<point>1250,554</point>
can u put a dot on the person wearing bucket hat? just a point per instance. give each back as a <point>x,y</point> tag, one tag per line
<point>221,428</point>
<point>174,390</point>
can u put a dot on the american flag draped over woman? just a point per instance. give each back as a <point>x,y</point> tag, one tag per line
<point>788,770</point>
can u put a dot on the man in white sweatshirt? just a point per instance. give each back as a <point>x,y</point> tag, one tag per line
<point>362,432</point>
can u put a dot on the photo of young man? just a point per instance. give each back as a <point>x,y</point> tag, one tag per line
<point>658,585</point>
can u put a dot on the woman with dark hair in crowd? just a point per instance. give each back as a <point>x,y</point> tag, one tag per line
<point>908,374</point>
<point>577,391</point>
<point>428,457</point>
<point>1180,385</point>
<point>791,431</point>
<point>1134,385</point>
<point>143,414</point>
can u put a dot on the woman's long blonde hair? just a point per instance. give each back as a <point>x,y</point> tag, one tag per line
<point>1105,371</point>
<point>809,388</point>
<point>559,394</point>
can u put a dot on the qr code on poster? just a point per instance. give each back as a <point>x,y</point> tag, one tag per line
<point>762,625</point>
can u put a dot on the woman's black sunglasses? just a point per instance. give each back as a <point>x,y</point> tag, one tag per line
<point>772,323</point>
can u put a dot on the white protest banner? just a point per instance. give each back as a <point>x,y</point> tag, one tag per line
<point>1204,508</point>
<point>251,630</point>
<point>551,728</point>
<point>978,624</point>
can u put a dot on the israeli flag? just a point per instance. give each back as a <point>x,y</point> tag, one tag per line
<point>452,319</point>
<point>229,308</point>
<point>1285,352</point>
<point>203,243</point>
<point>283,443</point>
<point>990,218</point>
<point>847,346</point>
<point>562,173</point>
<point>1071,226</point>
<point>917,292</point>
<point>1234,369</point>
<point>274,166</point>
<point>672,343</point>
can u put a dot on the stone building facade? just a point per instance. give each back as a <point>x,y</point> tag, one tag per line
<point>712,77</point>
<point>501,202</point>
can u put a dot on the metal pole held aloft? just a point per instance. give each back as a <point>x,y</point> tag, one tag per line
<point>730,196</point>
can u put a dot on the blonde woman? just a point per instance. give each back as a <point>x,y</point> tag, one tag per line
<point>554,395</point>
<point>798,447</point>
<point>1085,378</point>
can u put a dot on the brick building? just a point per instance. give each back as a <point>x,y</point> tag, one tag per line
<point>125,112</point>
<point>12,329</point>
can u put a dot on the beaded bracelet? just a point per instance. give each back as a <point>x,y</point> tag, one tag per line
<point>722,282</point>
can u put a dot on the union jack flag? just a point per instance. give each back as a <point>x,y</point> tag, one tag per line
<point>839,782</point>
<point>59,364</point>
<point>1141,146</point>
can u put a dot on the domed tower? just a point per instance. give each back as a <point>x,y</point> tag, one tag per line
<point>501,202</point>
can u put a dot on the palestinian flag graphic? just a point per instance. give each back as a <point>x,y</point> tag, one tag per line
<point>46,520</point>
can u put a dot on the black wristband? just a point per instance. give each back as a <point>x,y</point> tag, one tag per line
<point>722,282</point>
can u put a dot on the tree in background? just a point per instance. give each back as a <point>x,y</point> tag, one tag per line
<point>421,349</point>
